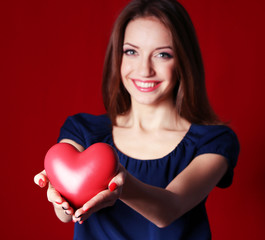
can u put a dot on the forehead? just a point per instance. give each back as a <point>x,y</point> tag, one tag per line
<point>148,30</point>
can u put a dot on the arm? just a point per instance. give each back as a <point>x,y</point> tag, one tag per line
<point>189,188</point>
<point>160,206</point>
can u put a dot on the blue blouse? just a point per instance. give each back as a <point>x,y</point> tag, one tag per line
<point>120,222</point>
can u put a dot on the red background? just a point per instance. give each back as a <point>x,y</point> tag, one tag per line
<point>51,63</point>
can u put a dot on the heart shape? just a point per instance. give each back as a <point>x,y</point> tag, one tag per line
<point>79,176</point>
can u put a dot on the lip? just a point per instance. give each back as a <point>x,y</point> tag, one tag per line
<point>146,86</point>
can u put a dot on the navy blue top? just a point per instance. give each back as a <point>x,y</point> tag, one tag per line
<point>120,222</point>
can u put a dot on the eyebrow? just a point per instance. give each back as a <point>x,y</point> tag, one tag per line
<point>163,47</point>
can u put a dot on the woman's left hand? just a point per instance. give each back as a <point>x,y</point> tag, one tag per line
<point>105,198</point>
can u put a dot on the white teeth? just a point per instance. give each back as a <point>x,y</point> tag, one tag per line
<point>145,84</point>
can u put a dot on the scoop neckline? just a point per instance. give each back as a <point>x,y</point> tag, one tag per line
<point>155,159</point>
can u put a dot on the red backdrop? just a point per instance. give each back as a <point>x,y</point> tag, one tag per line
<point>51,62</point>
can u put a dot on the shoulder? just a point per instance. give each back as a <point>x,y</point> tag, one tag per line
<point>211,129</point>
<point>86,128</point>
<point>85,118</point>
<point>218,139</point>
<point>215,136</point>
<point>213,133</point>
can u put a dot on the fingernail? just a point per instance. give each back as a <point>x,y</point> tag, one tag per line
<point>81,222</point>
<point>58,202</point>
<point>41,183</point>
<point>113,186</point>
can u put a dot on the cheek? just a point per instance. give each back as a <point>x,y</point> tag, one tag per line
<point>167,71</point>
<point>171,70</point>
<point>125,68</point>
<point>123,72</point>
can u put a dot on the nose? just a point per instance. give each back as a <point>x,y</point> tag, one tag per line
<point>145,67</point>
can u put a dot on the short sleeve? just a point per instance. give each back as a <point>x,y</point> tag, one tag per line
<point>221,140</point>
<point>85,129</point>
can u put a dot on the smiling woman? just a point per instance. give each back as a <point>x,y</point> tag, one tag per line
<point>189,92</point>
<point>172,148</point>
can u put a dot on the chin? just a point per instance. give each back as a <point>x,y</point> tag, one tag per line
<point>147,101</point>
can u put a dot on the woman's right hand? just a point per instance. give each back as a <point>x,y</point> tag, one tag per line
<point>62,208</point>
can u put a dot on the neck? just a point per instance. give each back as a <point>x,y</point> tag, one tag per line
<point>153,117</point>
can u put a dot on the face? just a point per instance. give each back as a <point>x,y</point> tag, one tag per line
<point>148,61</point>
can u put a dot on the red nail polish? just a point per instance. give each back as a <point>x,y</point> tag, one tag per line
<point>113,186</point>
<point>41,183</point>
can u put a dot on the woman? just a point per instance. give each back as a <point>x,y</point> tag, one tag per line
<point>173,150</point>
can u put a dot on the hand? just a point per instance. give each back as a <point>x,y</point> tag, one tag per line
<point>103,199</point>
<point>62,208</point>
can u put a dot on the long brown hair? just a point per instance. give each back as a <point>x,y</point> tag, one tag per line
<point>189,87</point>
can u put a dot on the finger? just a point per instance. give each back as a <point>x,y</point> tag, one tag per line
<point>41,179</point>
<point>80,215</point>
<point>67,208</point>
<point>69,211</point>
<point>102,199</point>
<point>54,196</point>
<point>118,180</point>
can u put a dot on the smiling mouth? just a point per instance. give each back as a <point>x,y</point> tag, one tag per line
<point>146,86</point>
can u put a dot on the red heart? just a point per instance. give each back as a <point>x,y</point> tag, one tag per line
<point>79,176</point>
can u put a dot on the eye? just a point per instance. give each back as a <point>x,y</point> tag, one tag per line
<point>164,55</point>
<point>129,52</point>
